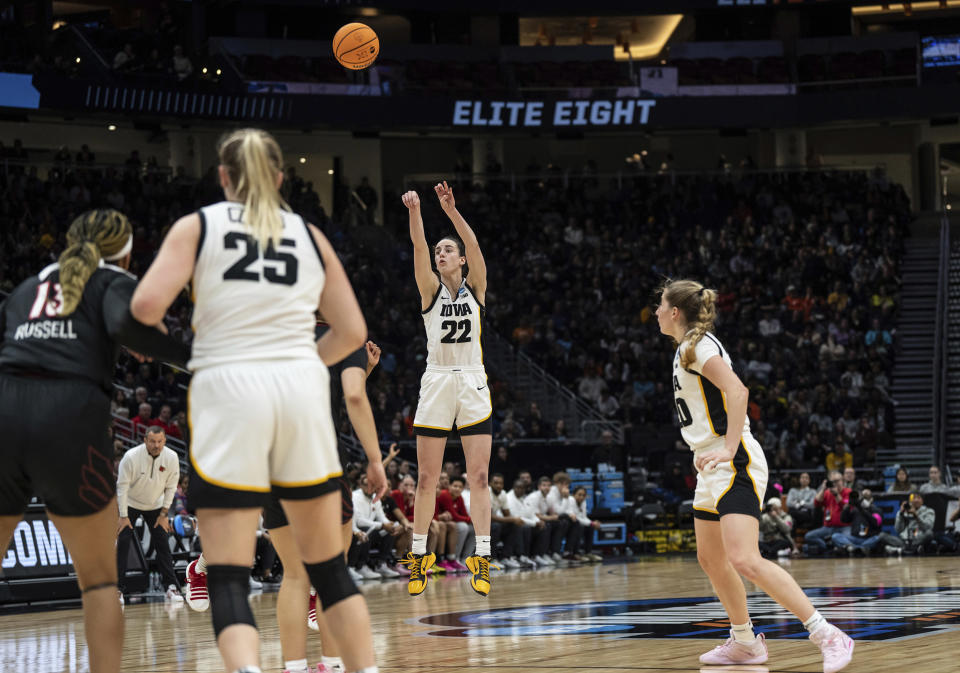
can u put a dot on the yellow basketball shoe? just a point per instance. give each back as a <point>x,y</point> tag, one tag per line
<point>479,566</point>
<point>419,565</point>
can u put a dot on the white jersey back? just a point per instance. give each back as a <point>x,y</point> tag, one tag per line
<point>251,304</point>
<point>701,406</point>
<point>454,325</point>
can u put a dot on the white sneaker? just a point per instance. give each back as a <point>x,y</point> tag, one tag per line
<point>511,563</point>
<point>354,575</point>
<point>545,560</point>
<point>556,557</point>
<point>255,584</point>
<point>387,571</point>
<point>527,562</point>
<point>369,574</point>
<point>783,552</point>
<point>173,594</point>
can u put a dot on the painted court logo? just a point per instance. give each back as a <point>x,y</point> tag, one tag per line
<point>865,613</point>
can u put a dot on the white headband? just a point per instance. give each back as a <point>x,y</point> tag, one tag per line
<point>123,253</point>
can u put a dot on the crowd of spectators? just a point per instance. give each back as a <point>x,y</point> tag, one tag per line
<point>806,266</point>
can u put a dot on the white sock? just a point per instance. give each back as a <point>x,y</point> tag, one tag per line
<point>483,545</point>
<point>201,564</point>
<point>743,633</point>
<point>297,666</point>
<point>815,622</point>
<point>419,544</point>
<point>330,662</point>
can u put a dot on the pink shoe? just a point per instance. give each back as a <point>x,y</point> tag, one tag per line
<point>402,569</point>
<point>837,647</point>
<point>197,597</point>
<point>312,612</point>
<point>732,652</point>
<point>448,566</point>
<point>458,567</point>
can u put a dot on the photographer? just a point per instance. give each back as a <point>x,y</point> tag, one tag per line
<point>776,531</point>
<point>832,497</point>
<point>864,520</point>
<point>915,523</point>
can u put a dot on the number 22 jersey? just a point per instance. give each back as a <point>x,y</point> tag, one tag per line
<point>701,406</point>
<point>253,304</point>
<point>453,325</point>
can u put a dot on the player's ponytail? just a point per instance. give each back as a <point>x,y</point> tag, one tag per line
<point>253,161</point>
<point>698,304</point>
<point>97,233</point>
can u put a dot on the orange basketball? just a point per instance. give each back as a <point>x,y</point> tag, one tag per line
<point>356,46</point>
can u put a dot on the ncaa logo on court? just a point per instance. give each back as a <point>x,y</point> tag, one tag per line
<point>865,613</point>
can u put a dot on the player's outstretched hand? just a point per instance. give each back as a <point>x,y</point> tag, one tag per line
<point>411,200</point>
<point>445,194</point>
<point>377,478</point>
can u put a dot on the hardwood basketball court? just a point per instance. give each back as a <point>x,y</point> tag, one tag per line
<point>630,616</point>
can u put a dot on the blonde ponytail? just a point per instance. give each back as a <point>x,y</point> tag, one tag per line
<point>698,304</point>
<point>95,234</point>
<point>253,160</point>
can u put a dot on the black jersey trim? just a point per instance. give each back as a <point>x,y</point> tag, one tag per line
<point>203,233</point>
<point>483,308</point>
<point>436,295</point>
<point>715,405</point>
<point>714,340</point>
<point>313,241</point>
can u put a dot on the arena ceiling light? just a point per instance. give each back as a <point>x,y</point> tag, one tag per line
<point>905,7</point>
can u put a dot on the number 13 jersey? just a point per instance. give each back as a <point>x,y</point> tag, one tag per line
<point>453,325</point>
<point>701,406</point>
<point>253,304</point>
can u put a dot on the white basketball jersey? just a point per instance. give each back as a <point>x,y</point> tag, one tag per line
<point>701,406</point>
<point>249,303</point>
<point>453,325</point>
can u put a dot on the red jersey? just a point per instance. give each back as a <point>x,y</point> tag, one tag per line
<point>402,504</point>
<point>457,508</point>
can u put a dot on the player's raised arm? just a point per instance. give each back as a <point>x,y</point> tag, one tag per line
<point>427,281</point>
<point>477,278</point>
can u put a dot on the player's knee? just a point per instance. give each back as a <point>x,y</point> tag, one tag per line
<point>102,574</point>
<point>228,587</point>
<point>427,480</point>
<point>745,561</point>
<point>478,480</point>
<point>332,581</point>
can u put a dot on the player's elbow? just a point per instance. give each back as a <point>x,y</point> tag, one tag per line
<point>144,309</point>
<point>353,398</point>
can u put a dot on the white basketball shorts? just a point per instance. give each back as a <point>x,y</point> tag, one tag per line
<point>453,397</point>
<point>734,487</point>
<point>261,426</point>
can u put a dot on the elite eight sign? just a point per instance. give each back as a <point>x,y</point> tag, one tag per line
<point>553,114</point>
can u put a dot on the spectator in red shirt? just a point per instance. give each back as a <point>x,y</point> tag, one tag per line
<point>165,421</point>
<point>450,502</point>
<point>444,527</point>
<point>832,497</point>
<point>143,420</point>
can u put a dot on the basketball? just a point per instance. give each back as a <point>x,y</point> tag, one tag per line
<point>356,46</point>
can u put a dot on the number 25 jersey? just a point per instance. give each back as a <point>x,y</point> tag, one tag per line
<point>701,406</point>
<point>250,303</point>
<point>453,325</point>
